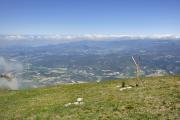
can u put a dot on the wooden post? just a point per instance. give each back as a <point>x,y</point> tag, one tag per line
<point>123,84</point>
<point>138,70</point>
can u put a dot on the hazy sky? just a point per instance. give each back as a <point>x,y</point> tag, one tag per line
<point>90,17</point>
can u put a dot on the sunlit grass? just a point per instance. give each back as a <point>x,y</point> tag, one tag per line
<point>158,98</point>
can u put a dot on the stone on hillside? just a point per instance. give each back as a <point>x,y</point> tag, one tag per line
<point>68,104</point>
<point>121,89</point>
<point>76,103</point>
<point>79,99</point>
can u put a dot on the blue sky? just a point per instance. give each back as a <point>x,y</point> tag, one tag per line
<point>90,17</point>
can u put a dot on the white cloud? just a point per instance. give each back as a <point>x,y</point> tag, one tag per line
<point>88,37</point>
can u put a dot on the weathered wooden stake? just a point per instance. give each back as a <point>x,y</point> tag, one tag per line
<point>138,70</point>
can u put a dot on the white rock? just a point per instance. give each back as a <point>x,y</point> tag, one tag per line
<point>68,104</point>
<point>98,81</point>
<point>121,89</point>
<point>76,103</point>
<point>81,103</point>
<point>79,99</point>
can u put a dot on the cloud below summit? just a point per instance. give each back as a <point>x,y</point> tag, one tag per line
<point>88,37</point>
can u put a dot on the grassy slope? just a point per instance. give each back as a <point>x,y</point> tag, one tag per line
<point>158,99</point>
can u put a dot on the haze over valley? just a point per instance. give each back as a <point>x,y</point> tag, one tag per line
<point>76,60</point>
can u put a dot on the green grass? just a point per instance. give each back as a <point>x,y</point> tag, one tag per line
<point>158,98</point>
